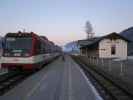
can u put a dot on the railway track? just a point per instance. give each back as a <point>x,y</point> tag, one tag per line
<point>10,80</point>
<point>108,89</point>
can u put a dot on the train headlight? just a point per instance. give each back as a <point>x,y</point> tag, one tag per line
<point>26,54</point>
<point>17,54</point>
<point>6,54</point>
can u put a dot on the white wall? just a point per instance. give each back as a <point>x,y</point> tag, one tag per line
<point>105,48</point>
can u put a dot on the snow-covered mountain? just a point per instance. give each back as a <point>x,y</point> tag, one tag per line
<point>71,47</point>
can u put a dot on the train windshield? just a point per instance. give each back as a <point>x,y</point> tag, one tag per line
<point>19,43</point>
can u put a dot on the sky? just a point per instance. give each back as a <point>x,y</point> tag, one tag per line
<point>63,21</point>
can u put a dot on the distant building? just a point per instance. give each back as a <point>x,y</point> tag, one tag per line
<point>110,46</point>
<point>72,48</point>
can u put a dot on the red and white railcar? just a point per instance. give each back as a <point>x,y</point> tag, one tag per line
<point>26,51</point>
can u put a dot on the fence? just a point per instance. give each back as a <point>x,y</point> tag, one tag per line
<point>115,67</point>
<point>122,69</point>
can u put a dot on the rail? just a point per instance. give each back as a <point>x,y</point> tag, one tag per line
<point>10,80</point>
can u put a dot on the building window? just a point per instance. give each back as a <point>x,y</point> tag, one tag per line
<point>113,50</point>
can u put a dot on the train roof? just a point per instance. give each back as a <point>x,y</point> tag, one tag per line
<point>44,38</point>
<point>20,34</point>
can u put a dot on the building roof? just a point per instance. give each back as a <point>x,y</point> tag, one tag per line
<point>115,36</point>
<point>92,43</point>
<point>85,42</point>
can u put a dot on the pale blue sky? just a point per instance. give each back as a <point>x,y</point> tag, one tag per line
<point>64,20</point>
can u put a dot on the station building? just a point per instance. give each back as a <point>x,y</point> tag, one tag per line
<point>112,45</point>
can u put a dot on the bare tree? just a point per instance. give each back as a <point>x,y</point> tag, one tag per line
<point>89,30</point>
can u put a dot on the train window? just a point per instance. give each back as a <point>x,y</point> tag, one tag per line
<point>42,48</point>
<point>38,47</point>
<point>18,43</point>
<point>113,49</point>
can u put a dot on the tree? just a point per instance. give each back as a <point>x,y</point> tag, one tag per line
<point>89,30</point>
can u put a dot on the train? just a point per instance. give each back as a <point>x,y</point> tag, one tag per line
<point>27,51</point>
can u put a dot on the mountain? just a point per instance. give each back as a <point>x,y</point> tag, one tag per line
<point>128,33</point>
<point>1,40</point>
<point>72,47</point>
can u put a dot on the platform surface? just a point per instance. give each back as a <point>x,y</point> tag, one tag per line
<point>60,80</point>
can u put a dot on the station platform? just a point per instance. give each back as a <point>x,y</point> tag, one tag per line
<point>60,80</point>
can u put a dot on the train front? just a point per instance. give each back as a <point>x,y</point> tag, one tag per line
<point>17,53</point>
